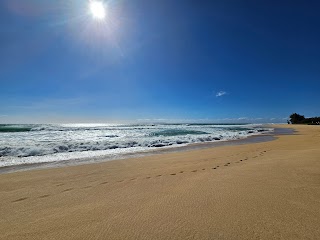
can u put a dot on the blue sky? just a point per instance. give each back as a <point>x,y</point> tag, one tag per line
<point>240,61</point>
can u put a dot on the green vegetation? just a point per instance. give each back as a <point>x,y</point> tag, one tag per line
<point>296,118</point>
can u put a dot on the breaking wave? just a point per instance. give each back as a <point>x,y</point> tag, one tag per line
<point>24,143</point>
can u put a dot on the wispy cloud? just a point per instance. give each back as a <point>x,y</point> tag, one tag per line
<point>242,118</point>
<point>221,93</point>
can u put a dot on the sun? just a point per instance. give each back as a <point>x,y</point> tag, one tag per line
<point>97,9</point>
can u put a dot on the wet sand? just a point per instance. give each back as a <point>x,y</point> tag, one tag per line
<point>265,190</point>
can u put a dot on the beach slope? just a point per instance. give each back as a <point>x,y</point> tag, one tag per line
<point>268,190</point>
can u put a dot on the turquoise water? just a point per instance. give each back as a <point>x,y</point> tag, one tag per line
<point>14,128</point>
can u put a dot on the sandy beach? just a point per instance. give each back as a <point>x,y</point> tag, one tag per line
<point>267,190</point>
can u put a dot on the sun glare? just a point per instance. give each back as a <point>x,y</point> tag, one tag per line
<point>97,10</point>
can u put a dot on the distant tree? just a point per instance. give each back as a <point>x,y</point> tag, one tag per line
<point>296,118</point>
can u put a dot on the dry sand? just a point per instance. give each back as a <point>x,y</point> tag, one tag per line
<point>267,190</point>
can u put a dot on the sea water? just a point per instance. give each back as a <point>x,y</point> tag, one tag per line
<point>44,143</point>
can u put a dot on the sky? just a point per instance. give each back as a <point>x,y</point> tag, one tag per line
<point>152,60</point>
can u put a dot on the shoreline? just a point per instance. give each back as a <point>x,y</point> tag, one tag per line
<point>265,190</point>
<point>264,137</point>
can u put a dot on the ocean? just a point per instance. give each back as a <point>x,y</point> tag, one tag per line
<point>47,143</point>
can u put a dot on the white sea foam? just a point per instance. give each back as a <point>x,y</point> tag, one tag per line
<point>55,143</point>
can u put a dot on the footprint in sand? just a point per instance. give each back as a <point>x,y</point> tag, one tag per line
<point>194,171</point>
<point>103,183</point>
<point>44,196</point>
<point>20,199</point>
<point>203,169</point>
<point>172,174</point>
<point>159,175</point>
<point>148,177</point>
<point>181,172</point>
<point>67,190</point>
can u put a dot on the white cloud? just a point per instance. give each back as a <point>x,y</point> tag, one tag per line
<point>220,93</point>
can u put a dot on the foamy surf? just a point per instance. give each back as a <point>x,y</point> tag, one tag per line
<point>30,144</point>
